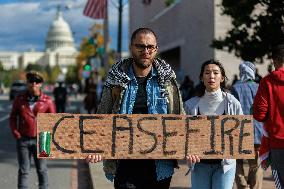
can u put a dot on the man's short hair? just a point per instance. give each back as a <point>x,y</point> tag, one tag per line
<point>34,76</point>
<point>278,54</point>
<point>144,31</point>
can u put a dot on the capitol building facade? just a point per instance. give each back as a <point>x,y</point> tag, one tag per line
<point>59,49</point>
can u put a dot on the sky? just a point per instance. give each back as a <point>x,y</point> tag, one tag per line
<point>24,23</point>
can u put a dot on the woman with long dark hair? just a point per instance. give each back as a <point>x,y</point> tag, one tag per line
<point>211,99</point>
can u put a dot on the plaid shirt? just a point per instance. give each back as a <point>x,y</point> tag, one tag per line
<point>245,93</point>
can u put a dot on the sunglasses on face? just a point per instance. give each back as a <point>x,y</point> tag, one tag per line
<point>34,80</point>
<point>141,47</point>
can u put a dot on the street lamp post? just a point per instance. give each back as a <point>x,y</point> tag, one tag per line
<point>119,36</point>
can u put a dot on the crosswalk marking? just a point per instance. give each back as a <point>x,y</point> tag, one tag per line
<point>4,118</point>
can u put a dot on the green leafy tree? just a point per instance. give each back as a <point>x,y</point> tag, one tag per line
<point>1,66</point>
<point>11,75</point>
<point>87,49</point>
<point>6,78</point>
<point>48,70</point>
<point>71,75</point>
<point>169,2</point>
<point>55,71</point>
<point>90,47</point>
<point>34,67</point>
<point>258,25</point>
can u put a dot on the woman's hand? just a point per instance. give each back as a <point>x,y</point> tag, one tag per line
<point>93,158</point>
<point>191,159</point>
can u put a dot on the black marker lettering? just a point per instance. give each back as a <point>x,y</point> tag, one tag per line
<point>148,133</point>
<point>241,137</point>
<point>58,147</point>
<point>188,131</point>
<point>228,132</point>
<point>168,134</point>
<point>82,133</point>
<point>115,128</point>
<point>212,136</point>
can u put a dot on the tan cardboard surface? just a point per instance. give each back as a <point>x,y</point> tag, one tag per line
<point>148,136</point>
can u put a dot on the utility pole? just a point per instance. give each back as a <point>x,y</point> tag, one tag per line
<point>119,36</point>
<point>106,42</point>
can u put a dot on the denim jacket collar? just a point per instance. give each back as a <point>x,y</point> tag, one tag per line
<point>131,74</point>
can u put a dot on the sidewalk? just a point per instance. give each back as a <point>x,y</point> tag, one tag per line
<point>179,180</point>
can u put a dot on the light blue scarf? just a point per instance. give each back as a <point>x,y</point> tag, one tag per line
<point>247,71</point>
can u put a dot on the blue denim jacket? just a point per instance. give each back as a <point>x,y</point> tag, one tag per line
<point>157,104</point>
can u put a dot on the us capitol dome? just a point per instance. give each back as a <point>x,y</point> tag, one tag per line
<point>59,49</point>
<point>59,36</point>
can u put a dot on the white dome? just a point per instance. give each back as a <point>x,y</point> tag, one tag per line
<point>59,37</point>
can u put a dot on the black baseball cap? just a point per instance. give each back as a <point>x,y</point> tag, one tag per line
<point>33,76</point>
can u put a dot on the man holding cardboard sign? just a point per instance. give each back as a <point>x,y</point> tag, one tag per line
<point>142,84</point>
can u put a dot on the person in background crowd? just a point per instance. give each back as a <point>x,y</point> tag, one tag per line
<point>268,107</point>
<point>186,88</point>
<point>142,84</point>
<point>91,100</point>
<point>100,88</point>
<point>212,100</point>
<point>60,96</point>
<point>74,88</point>
<point>23,126</point>
<point>235,80</point>
<point>245,91</point>
<point>197,89</point>
<point>257,76</point>
<point>270,68</point>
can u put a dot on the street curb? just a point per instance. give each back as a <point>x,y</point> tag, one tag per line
<point>98,177</point>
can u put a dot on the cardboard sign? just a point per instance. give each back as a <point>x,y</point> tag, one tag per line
<point>147,136</point>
